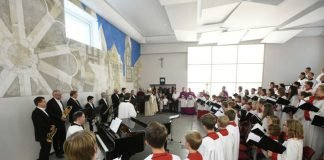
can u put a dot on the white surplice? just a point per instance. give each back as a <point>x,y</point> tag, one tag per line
<point>314,135</point>
<point>294,150</point>
<point>211,149</point>
<point>234,132</point>
<point>126,110</point>
<point>227,144</point>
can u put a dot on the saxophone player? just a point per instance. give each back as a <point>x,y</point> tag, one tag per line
<point>42,126</point>
<point>55,109</point>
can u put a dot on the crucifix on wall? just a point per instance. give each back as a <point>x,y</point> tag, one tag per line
<point>161,59</point>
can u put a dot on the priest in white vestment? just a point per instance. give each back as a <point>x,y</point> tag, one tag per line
<point>151,106</point>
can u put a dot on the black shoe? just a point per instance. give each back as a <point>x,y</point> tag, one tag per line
<point>59,156</point>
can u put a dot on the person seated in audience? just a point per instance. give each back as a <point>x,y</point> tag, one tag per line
<point>234,132</point>
<point>294,143</point>
<point>126,109</point>
<point>224,104</point>
<point>273,132</point>
<point>211,146</point>
<point>226,139</point>
<point>276,87</point>
<point>308,87</point>
<point>307,70</point>
<point>193,142</point>
<point>238,100</point>
<point>240,91</point>
<point>244,103</point>
<point>156,136</point>
<point>77,125</point>
<point>259,91</point>
<point>81,145</point>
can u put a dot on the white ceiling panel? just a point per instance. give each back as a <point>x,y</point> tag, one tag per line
<point>217,14</point>
<point>257,15</point>
<point>312,17</point>
<point>186,36</point>
<point>147,16</point>
<point>258,33</point>
<point>174,2</point>
<point>233,37</point>
<point>280,36</point>
<point>183,16</point>
<point>209,37</point>
<point>310,32</point>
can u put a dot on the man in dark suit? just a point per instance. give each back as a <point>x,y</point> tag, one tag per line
<point>89,107</point>
<point>140,100</point>
<point>115,102</point>
<point>122,95</point>
<point>42,126</point>
<point>55,109</point>
<point>104,107</point>
<point>133,100</point>
<point>76,106</point>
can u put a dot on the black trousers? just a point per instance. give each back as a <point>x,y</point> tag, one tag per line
<point>174,106</point>
<point>90,124</point>
<point>45,150</point>
<point>59,139</point>
<point>115,111</point>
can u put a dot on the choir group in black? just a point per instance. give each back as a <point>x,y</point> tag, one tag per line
<point>282,122</point>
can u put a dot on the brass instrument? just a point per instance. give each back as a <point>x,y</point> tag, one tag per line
<point>50,135</point>
<point>66,111</point>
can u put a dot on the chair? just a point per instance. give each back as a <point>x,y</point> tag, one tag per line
<point>308,153</point>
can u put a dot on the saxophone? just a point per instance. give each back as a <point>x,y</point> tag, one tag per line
<point>66,111</point>
<point>50,135</point>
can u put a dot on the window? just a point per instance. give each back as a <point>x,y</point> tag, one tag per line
<point>211,67</point>
<point>81,26</point>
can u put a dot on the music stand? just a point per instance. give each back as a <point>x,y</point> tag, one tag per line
<point>171,118</point>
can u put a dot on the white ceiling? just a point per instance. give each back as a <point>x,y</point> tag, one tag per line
<point>269,21</point>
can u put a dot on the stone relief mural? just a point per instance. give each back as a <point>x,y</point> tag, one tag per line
<point>36,57</point>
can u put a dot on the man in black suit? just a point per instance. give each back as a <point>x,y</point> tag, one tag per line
<point>42,126</point>
<point>76,106</point>
<point>104,107</point>
<point>55,109</point>
<point>122,95</point>
<point>133,100</point>
<point>89,107</point>
<point>115,102</point>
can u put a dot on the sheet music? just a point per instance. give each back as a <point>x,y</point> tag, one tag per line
<point>114,126</point>
<point>174,116</point>
<point>257,125</point>
<point>301,102</point>
<point>253,137</point>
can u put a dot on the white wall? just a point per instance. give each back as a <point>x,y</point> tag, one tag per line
<point>174,64</point>
<point>283,62</point>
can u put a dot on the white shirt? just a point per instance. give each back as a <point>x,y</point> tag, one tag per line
<point>126,110</point>
<point>73,129</point>
<point>174,157</point>
<point>60,104</point>
<point>175,96</point>
<point>43,109</point>
<point>294,150</point>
